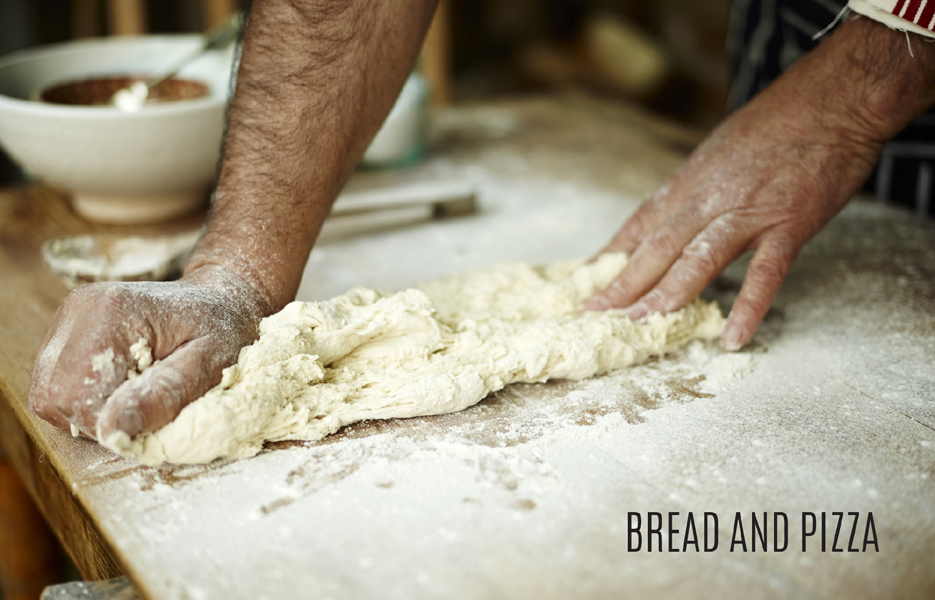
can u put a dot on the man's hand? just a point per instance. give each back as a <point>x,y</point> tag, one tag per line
<point>195,328</point>
<point>316,80</point>
<point>771,176</point>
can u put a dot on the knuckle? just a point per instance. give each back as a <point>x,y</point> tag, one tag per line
<point>90,292</point>
<point>710,203</point>
<point>618,288</point>
<point>659,195</point>
<point>660,300</point>
<point>787,198</point>
<point>93,298</point>
<point>784,243</point>
<point>633,227</point>
<point>42,409</point>
<point>72,303</point>
<point>702,256</point>
<point>110,297</point>
<point>768,271</point>
<point>660,245</point>
<point>629,235</point>
<point>616,294</point>
<point>169,394</point>
<point>80,293</point>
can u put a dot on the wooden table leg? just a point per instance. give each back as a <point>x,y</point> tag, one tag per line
<point>126,17</point>
<point>30,557</point>
<point>436,57</point>
<point>216,12</point>
<point>54,499</point>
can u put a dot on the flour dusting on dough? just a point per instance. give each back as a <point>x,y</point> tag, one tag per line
<point>318,366</point>
<point>142,356</point>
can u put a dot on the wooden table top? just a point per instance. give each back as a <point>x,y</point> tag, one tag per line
<point>526,495</point>
<point>46,458</point>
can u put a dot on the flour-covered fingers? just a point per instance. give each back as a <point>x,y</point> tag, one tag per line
<point>652,258</point>
<point>651,214</point>
<point>83,363</point>
<point>702,260</point>
<point>646,218</point>
<point>765,275</point>
<point>40,401</point>
<point>86,373</point>
<point>155,397</point>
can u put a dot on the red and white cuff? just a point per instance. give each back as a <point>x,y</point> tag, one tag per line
<point>917,16</point>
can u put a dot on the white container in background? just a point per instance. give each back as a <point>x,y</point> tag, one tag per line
<point>120,167</point>
<point>402,138</point>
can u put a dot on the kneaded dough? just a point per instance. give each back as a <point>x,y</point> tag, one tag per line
<point>318,366</point>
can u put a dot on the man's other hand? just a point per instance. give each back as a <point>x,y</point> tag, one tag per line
<point>766,180</point>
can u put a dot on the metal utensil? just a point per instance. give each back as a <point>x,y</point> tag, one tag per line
<point>90,258</point>
<point>132,99</point>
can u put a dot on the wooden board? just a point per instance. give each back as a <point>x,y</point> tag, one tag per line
<point>43,455</point>
<point>527,494</point>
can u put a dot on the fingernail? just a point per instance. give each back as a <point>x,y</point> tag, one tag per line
<point>130,421</point>
<point>731,337</point>
<point>637,312</point>
<point>597,303</point>
<point>618,286</point>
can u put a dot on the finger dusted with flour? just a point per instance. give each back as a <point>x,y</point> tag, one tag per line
<point>316,79</point>
<point>771,176</point>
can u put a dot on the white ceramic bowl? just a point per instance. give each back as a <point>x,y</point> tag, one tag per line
<point>147,166</point>
<point>401,139</point>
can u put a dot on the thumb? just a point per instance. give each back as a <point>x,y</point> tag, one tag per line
<point>154,398</point>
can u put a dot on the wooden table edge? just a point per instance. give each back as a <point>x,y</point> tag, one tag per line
<point>36,465</point>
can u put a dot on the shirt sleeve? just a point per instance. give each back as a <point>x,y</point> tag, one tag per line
<point>916,16</point>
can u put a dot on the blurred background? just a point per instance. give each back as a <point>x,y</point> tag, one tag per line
<point>667,56</point>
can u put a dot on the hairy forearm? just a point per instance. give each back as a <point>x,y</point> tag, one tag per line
<point>316,79</point>
<point>867,79</point>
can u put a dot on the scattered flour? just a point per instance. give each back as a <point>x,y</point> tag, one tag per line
<point>103,363</point>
